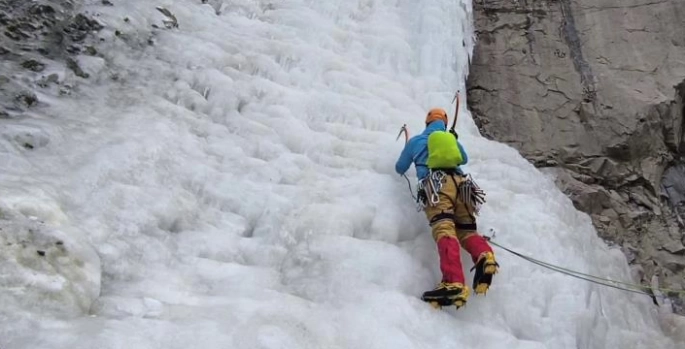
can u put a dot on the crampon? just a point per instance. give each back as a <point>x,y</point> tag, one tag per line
<point>485,267</point>
<point>447,294</point>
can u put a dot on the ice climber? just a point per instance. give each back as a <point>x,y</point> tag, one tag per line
<point>450,200</point>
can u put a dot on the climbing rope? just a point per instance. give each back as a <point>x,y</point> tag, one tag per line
<point>411,191</point>
<point>624,286</point>
<point>404,130</point>
<point>619,285</point>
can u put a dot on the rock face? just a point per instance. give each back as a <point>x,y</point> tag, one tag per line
<point>37,39</point>
<point>593,90</point>
<point>44,267</point>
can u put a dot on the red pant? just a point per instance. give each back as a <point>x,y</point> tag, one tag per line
<point>452,222</point>
<point>450,256</point>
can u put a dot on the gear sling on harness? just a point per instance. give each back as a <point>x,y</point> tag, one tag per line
<point>468,192</point>
<point>444,157</point>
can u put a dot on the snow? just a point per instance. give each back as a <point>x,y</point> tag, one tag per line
<point>230,184</point>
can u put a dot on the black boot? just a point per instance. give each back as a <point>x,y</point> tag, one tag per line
<point>447,294</point>
<point>485,267</point>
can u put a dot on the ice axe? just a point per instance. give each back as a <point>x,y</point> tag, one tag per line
<point>406,134</point>
<point>456,113</point>
<point>405,130</point>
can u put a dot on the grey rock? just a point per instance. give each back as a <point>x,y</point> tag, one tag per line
<point>26,137</point>
<point>673,185</point>
<point>597,98</point>
<point>33,65</point>
<point>45,81</point>
<point>37,249</point>
<point>15,98</point>
<point>37,34</point>
<point>637,272</point>
<point>73,66</point>
<point>26,98</point>
<point>673,262</point>
<point>675,247</point>
<point>80,26</point>
<point>630,252</point>
<point>48,27</point>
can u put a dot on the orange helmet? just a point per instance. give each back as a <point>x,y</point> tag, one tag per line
<point>436,114</point>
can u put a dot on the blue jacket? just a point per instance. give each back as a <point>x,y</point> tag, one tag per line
<point>416,151</point>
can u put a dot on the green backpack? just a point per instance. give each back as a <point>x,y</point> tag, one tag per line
<point>443,152</point>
